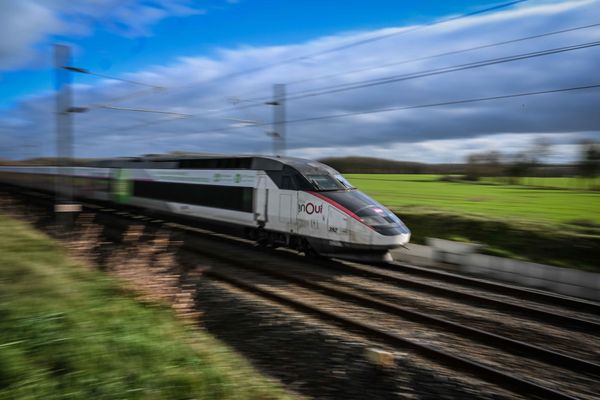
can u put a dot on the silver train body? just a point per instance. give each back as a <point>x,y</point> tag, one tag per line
<point>277,201</point>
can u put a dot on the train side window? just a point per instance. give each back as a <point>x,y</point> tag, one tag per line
<point>287,183</point>
<point>226,197</point>
<point>301,182</point>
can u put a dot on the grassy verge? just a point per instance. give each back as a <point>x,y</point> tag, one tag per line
<point>69,332</point>
<point>544,243</point>
<point>553,226</point>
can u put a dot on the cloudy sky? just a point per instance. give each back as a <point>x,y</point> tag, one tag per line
<point>382,78</point>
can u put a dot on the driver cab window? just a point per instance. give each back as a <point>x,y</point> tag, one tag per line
<point>287,183</point>
<point>324,182</point>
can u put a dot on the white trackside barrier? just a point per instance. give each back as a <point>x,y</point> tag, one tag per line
<point>450,251</point>
<point>566,281</point>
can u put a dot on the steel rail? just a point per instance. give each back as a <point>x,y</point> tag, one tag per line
<point>560,320</point>
<point>516,347</point>
<point>492,375</point>
<point>502,288</point>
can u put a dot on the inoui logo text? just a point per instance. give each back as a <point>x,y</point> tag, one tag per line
<point>310,208</point>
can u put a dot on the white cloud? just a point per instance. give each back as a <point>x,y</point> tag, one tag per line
<point>28,24</point>
<point>199,85</point>
<point>23,24</point>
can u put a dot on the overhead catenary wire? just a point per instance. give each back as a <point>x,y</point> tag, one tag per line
<point>304,57</point>
<point>153,88</point>
<point>402,32</point>
<point>412,107</point>
<point>360,42</point>
<point>113,78</point>
<point>444,54</point>
<point>294,59</point>
<point>203,114</point>
<point>143,110</point>
<point>429,57</point>
<point>449,103</point>
<point>404,77</point>
<point>437,71</point>
<point>133,95</point>
<point>256,102</point>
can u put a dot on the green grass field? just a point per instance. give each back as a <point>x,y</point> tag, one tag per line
<point>68,332</point>
<point>552,182</point>
<point>547,225</point>
<point>519,202</point>
<point>582,184</point>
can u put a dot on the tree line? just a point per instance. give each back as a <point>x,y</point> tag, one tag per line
<point>531,162</point>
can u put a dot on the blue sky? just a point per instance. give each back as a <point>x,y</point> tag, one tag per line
<point>111,46</point>
<point>186,45</point>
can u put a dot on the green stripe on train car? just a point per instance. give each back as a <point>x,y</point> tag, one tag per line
<point>122,186</point>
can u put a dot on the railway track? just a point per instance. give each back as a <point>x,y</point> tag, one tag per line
<point>514,346</point>
<point>539,296</point>
<point>561,321</point>
<point>560,318</point>
<point>480,369</point>
<point>512,305</point>
<point>383,273</point>
<point>466,364</point>
<point>437,284</point>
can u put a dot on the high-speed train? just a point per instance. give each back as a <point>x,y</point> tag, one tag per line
<point>277,201</point>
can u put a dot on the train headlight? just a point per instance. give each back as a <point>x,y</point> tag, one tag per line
<point>383,221</point>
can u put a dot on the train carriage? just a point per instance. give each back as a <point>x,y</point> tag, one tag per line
<point>277,201</point>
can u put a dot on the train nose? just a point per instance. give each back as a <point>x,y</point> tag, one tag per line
<point>384,222</point>
<point>403,238</point>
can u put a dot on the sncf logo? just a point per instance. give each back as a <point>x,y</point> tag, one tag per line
<point>310,208</point>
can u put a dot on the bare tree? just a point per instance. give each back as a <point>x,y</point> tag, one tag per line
<point>540,150</point>
<point>483,164</point>
<point>520,164</point>
<point>524,162</point>
<point>588,165</point>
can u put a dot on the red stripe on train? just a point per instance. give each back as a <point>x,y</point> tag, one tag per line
<point>339,207</point>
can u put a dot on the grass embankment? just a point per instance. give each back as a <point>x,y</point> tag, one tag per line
<point>548,225</point>
<point>71,332</point>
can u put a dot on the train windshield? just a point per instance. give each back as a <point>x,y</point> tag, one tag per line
<point>370,212</point>
<point>344,182</point>
<point>329,182</point>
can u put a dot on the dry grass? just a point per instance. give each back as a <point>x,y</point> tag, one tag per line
<point>149,268</point>
<point>145,263</point>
